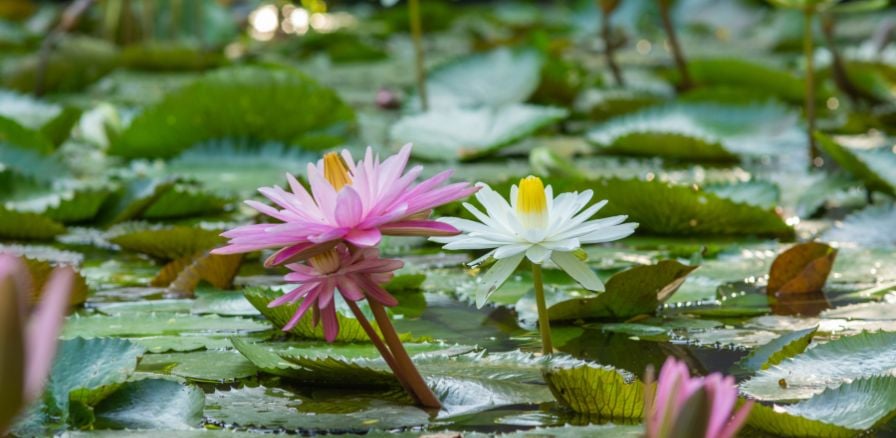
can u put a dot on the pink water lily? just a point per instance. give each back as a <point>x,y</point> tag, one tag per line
<point>674,392</point>
<point>355,275</point>
<point>28,343</point>
<point>354,202</point>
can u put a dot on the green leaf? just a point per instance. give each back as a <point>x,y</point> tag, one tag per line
<point>151,403</point>
<point>698,131</point>
<point>234,166</point>
<point>869,228</point>
<point>28,153</point>
<point>636,291</point>
<point>248,102</point>
<point>133,199</point>
<point>466,134</point>
<point>826,365</point>
<point>600,390</point>
<point>279,409</point>
<point>668,209</point>
<point>68,203</point>
<point>201,366</point>
<point>874,168</point>
<point>844,411</point>
<point>783,347</point>
<point>761,80</point>
<point>184,200</point>
<point>73,63</point>
<point>155,324</point>
<point>471,81</point>
<point>349,328</point>
<point>27,226</point>
<point>762,194</point>
<point>53,121</point>
<point>165,242</point>
<point>86,370</point>
<point>169,56</point>
<point>570,431</point>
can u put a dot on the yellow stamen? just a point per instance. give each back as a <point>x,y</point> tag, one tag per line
<point>325,262</point>
<point>531,203</point>
<point>335,171</point>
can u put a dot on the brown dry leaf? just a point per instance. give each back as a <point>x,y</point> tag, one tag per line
<point>184,274</point>
<point>40,272</point>
<point>802,269</point>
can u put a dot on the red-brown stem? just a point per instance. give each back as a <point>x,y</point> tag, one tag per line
<point>414,379</point>
<point>677,53</point>
<point>382,348</point>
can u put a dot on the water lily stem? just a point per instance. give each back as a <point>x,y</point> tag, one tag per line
<point>685,82</point>
<point>381,347</point>
<point>417,37</point>
<point>544,322</point>
<point>413,378</point>
<point>808,51</point>
<point>606,32</point>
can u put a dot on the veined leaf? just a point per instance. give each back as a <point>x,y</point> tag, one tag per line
<point>599,390</point>
<point>151,403</point>
<point>165,242</point>
<point>244,102</point>
<point>875,168</point>
<point>782,347</point>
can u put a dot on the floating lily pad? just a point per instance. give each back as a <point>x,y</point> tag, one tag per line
<point>801,269</point>
<point>202,366</point>
<point>470,81</point>
<point>598,390</point>
<point>155,324</point>
<point>169,243</point>
<point>844,411</point>
<point>876,168</point>
<point>27,226</point>
<point>758,79</point>
<point>279,409</point>
<point>826,365</point>
<point>465,134</point>
<point>151,403</point>
<point>636,291</point>
<point>783,347</point>
<point>869,228</point>
<point>259,99</point>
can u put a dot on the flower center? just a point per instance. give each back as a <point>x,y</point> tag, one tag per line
<point>335,171</point>
<point>326,262</point>
<point>531,203</point>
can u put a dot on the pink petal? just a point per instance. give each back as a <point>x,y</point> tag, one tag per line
<point>419,228</point>
<point>730,430</point>
<point>349,209</point>
<point>298,252</point>
<point>330,322</point>
<point>307,303</point>
<point>376,292</point>
<point>364,238</point>
<point>349,289</point>
<point>42,333</point>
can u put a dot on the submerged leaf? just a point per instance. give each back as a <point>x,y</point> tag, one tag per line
<point>151,403</point>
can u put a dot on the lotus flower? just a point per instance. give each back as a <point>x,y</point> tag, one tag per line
<point>27,344</point>
<point>356,275</point>
<point>535,225</point>
<point>349,202</point>
<point>670,414</point>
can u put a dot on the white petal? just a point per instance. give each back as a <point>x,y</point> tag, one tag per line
<point>609,234</point>
<point>472,243</point>
<point>589,227</point>
<point>538,254</point>
<point>562,245</point>
<point>495,277</point>
<point>578,270</point>
<point>511,250</point>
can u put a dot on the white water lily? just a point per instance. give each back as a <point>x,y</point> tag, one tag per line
<point>535,225</point>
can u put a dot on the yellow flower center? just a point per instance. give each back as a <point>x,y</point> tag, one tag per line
<point>325,262</point>
<point>531,203</point>
<point>335,171</point>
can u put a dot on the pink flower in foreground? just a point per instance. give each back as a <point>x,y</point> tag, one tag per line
<point>352,202</point>
<point>27,344</point>
<point>676,392</point>
<point>355,275</point>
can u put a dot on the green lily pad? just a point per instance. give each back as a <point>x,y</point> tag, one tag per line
<point>599,390</point>
<point>52,120</point>
<point>869,228</point>
<point>165,242</point>
<point>259,99</point>
<point>350,329</point>
<point>73,64</point>
<point>845,411</point>
<point>470,81</point>
<point>28,153</point>
<point>466,134</point>
<point>279,409</point>
<point>151,403</point>
<point>201,366</point>
<point>636,291</point>
<point>156,324</point>
<point>783,347</point>
<point>669,209</point>
<point>758,79</point>
<point>700,132</point>
<point>826,365</point>
<point>86,370</point>
<point>77,203</point>
<point>876,168</point>
<point>27,226</point>
<point>184,200</point>
<point>134,197</point>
